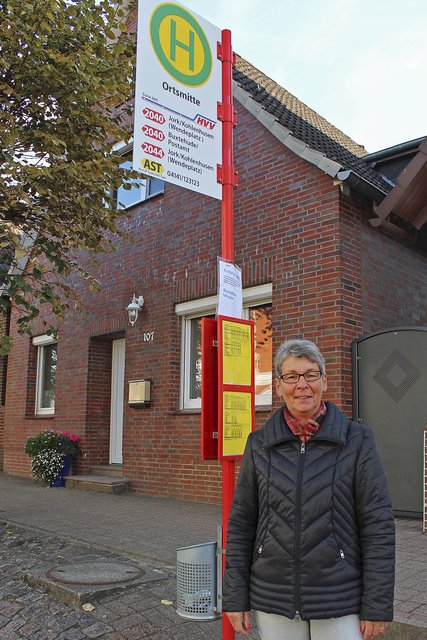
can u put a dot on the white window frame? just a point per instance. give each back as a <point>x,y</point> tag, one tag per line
<point>252,297</point>
<point>41,342</point>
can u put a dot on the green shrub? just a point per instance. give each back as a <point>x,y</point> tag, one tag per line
<point>63,442</point>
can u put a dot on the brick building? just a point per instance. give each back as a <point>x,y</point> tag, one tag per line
<point>320,259</point>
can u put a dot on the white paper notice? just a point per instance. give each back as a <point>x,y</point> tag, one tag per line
<point>230,297</point>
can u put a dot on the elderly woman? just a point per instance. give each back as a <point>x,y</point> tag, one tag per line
<point>310,545</point>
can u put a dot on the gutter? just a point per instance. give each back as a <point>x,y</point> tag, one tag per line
<point>352,179</point>
<point>399,148</point>
<point>394,230</point>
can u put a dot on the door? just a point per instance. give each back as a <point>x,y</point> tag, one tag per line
<point>117,393</point>
<point>390,389</point>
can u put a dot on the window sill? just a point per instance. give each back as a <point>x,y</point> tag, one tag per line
<point>186,412</point>
<point>178,412</point>
<point>265,408</point>
<point>143,201</point>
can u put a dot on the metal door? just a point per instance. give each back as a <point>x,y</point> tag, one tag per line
<point>390,395</point>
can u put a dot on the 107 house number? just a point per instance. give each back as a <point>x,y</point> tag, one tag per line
<point>148,336</point>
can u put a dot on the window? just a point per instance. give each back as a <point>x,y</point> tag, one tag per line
<point>261,315</point>
<point>140,190</point>
<point>46,374</point>
<point>257,306</point>
<point>193,360</point>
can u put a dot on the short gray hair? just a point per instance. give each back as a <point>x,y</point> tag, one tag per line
<point>299,349</point>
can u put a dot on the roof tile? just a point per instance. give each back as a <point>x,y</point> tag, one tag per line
<point>305,124</point>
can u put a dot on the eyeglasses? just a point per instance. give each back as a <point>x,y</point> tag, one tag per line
<point>309,376</point>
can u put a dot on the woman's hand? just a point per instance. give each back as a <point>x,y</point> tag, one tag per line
<point>372,629</point>
<point>239,621</point>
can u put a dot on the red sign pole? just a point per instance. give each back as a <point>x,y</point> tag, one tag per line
<point>227,176</point>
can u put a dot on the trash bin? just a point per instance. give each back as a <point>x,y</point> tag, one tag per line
<point>196,581</point>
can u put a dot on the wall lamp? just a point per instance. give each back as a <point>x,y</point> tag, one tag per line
<point>134,308</point>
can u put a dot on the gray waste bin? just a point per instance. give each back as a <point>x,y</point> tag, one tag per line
<point>196,581</point>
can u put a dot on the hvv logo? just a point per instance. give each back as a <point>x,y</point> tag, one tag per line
<point>204,122</point>
<point>180,45</point>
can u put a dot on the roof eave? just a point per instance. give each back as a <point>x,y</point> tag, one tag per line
<point>407,198</point>
<point>303,150</point>
<point>270,122</point>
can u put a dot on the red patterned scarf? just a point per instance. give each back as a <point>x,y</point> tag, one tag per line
<point>304,428</point>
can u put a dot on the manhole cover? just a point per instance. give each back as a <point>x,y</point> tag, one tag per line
<point>95,573</point>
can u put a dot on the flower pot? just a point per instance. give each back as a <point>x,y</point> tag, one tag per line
<point>59,481</point>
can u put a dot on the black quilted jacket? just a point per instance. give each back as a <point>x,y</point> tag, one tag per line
<point>311,530</point>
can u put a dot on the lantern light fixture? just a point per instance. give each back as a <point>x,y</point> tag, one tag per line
<point>134,308</point>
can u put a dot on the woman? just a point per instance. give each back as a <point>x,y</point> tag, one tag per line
<point>310,543</point>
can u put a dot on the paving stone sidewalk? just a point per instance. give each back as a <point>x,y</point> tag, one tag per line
<point>27,613</point>
<point>38,526</point>
<point>135,613</point>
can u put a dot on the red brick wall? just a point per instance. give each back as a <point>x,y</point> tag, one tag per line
<point>15,433</point>
<point>3,377</point>
<point>293,228</point>
<point>394,283</point>
<point>284,232</point>
<point>293,214</point>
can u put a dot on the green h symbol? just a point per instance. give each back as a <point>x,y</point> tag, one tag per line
<point>174,43</point>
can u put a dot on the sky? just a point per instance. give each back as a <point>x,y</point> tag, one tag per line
<point>361,64</point>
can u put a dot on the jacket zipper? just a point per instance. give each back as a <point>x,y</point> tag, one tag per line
<point>261,545</point>
<point>298,532</point>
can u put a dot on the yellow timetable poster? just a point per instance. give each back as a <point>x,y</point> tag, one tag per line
<point>236,421</point>
<point>236,353</point>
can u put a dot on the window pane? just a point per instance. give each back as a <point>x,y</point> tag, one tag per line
<point>195,353</point>
<point>194,358</point>
<point>128,197</point>
<point>263,349</point>
<point>48,376</point>
<point>155,185</point>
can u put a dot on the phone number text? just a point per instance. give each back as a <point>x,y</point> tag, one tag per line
<point>186,179</point>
